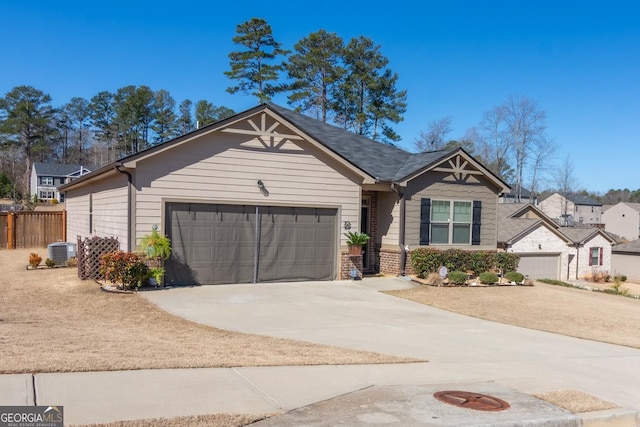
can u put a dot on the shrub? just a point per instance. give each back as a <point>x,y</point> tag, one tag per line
<point>72,262</point>
<point>480,261</point>
<point>514,276</point>
<point>620,277</point>
<point>488,278</point>
<point>455,259</point>
<point>426,260</point>
<point>506,261</point>
<point>34,260</point>
<point>126,269</point>
<point>50,263</point>
<point>457,277</point>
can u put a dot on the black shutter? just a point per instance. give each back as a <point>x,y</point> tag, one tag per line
<point>425,220</point>
<point>475,226</point>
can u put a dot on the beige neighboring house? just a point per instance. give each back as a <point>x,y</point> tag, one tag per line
<point>625,259</point>
<point>622,219</point>
<point>572,209</point>
<point>268,194</point>
<point>548,251</point>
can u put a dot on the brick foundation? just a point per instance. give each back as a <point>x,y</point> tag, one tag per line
<point>390,262</point>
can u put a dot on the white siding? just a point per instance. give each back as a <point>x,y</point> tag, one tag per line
<point>583,257</point>
<point>225,168</point>
<point>110,215</point>
<point>541,241</point>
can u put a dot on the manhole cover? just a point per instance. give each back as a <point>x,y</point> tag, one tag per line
<point>470,400</point>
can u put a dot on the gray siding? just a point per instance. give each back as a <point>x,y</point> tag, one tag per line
<point>438,185</point>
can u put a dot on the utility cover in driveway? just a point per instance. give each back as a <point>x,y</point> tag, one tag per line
<point>220,244</point>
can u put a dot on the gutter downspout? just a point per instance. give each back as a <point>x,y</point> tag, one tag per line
<point>130,237</point>
<point>401,240</point>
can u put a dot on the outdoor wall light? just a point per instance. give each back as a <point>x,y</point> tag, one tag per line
<point>262,188</point>
<point>539,246</point>
<point>347,225</point>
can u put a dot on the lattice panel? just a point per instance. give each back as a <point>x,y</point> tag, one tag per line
<point>89,252</point>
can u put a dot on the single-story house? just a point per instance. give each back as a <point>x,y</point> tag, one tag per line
<point>592,251</point>
<point>527,231</point>
<point>622,219</point>
<point>549,251</point>
<point>625,260</point>
<point>268,194</point>
<point>47,177</point>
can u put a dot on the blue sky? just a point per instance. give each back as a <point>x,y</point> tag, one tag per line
<point>579,60</point>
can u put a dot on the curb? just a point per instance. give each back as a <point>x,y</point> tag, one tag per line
<point>619,417</point>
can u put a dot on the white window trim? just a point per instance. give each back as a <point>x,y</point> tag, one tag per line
<point>47,178</point>
<point>450,222</point>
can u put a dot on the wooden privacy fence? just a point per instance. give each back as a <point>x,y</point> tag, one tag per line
<point>32,229</point>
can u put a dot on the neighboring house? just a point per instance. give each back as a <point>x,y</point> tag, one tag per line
<point>625,260</point>
<point>526,196</point>
<point>268,194</point>
<point>544,251</point>
<point>47,177</point>
<point>623,220</point>
<point>549,251</point>
<point>572,209</point>
<point>593,250</point>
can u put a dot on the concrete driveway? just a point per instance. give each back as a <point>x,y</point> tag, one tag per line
<point>458,348</point>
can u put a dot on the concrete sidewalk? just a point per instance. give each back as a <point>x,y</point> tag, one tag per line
<point>401,391</point>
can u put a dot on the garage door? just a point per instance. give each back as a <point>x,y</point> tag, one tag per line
<point>220,244</point>
<point>540,266</point>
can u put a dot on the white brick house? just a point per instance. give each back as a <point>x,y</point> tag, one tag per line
<point>549,251</point>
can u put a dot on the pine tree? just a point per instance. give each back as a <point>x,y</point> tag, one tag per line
<point>315,67</point>
<point>253,67</point>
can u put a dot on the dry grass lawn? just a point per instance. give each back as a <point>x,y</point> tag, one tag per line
<point>576,401</point>
<point>578,313</point>
<point>51,321</point>
<point>215,420</point>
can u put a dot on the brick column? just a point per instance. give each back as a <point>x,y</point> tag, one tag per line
<point>349,262</point>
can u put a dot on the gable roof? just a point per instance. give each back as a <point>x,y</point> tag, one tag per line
<point>379,161</point>
<point>55,169</point>
<point>382,161</point>
<point>511,227</point>
<point>581,235</point>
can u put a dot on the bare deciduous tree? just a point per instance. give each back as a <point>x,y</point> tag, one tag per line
<point>566,184</point>
<point>435,135</point>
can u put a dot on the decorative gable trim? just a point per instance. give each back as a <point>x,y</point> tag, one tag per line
<point>460,167</point>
